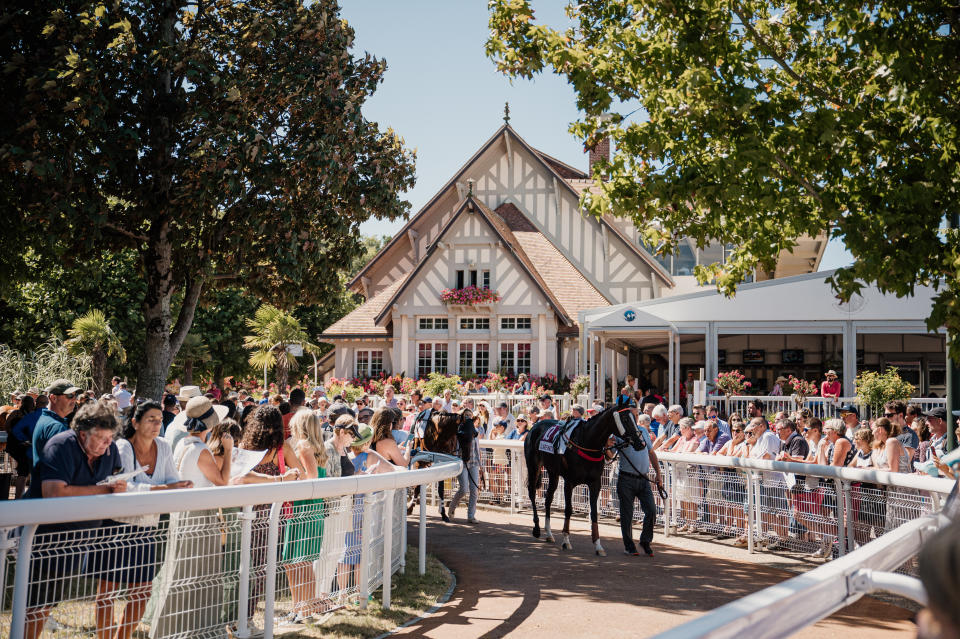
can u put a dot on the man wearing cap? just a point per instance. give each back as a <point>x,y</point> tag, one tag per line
<point>503,416</point>
<point>851,419</point>
<point>830,388</point>
<point>427,408</point>
<point>52,420</point>
<point>937,420</point>
<point>170,410</point>
<point>199,407</point>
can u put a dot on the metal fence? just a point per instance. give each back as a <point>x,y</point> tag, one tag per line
<point>819,512</point>
<point>818,406</point>
<point>242,560</point>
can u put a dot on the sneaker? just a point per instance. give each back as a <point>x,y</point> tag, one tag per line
<point>452,513</point>
<point>647,550</point>
<point>774,543</point>
<point>632,553</point>
<point>741,542</point>
<point>473,520</point>
<point>726,533</point>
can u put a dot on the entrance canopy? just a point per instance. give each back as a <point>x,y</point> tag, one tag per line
<point>804,304</point>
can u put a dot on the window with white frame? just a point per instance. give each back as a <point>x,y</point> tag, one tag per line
<point>431,358</point>
<point>515,323</point>
<point>369,363</point>
<point>474,359</point>
<point>473,277</point>
<point>515,358</point>
<point>474,323</point>
<point>432,324</point>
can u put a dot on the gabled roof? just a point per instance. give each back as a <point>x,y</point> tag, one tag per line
<point>360,321</point>
<point>500,228</point>
<point>573,179</point>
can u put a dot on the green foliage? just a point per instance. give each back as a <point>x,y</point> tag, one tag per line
<point>350,392</point>
<point>222,142</point>
<point>39,367</point>
<point>273,331</point>
<point>876,389</point>
<point>92,336</point>
<point>436,383</point>
<point>758,124</point>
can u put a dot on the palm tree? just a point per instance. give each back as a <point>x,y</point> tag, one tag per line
<point>91,335</point>
<point>192,351</point>
<point>273,331</point>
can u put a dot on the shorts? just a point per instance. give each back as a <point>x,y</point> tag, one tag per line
<point>122,553</point>
<point>56,566</point>
<point>773,497</point>
<point>809,501</point>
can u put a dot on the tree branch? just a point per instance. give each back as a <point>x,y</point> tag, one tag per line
<point>804,182</point>
<point>125,232</point>
<point>781,62</point>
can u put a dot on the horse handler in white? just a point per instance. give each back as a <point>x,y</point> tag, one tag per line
<point>637,469</point>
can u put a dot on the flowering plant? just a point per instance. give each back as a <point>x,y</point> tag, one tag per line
<point>802,389</point>
<point>579,386</point>
<point>468,295</point>
<point>732,383</point>
<point>495,382</point>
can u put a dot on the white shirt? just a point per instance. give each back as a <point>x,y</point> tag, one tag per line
<point>163,473</point>
<point>447,406</point>
<point>186,461</point>
<point>768,443</point>
<point>122,395</point>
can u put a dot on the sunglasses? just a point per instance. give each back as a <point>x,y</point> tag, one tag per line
<point>68,395</point>
<point>738,430</point>
<point>889,415</point>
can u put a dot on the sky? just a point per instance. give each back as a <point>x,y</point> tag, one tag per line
<point>445,98</point>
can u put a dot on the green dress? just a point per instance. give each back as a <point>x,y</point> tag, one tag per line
<point>303,533</point>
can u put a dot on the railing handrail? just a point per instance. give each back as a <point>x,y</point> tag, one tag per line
<point>772,612</point>
<point>901,480</point>
<point>68,509</point>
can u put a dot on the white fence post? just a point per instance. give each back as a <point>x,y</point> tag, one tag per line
<point>668,483</point>
<point>270,592</point>
<point>403,534</point>
<point>387,545</point>
<point>423,530</point>
<point>842,514</point>
<point>848,506</point>
<point>246,517</point>
<point>22,582</point>
<point>367,531</point>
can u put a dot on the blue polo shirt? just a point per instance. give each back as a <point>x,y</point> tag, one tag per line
<point>63,459</point>
<point>48,425</point>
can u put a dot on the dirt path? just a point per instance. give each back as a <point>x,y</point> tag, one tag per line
<point>511,584</point>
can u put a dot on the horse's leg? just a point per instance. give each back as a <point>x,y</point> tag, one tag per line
<point>533,476</point>
<point>567,514</point>
<point>443,510</point>
<point>413,500</point>
<point>594,525</point>
<point>553,478</point>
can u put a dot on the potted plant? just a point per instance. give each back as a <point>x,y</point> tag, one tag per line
<point>876,389</point>
<point>730,384</point>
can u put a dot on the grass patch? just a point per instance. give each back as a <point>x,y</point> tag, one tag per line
<point>412,595</point>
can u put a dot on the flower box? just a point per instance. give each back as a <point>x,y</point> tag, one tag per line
<point>470,296</point>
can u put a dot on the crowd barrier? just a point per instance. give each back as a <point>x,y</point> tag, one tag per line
<point>805,509</point>
<point>818,406</point>
<point>209,562</point>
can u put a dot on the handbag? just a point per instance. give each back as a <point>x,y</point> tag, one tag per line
<point>286,511</point>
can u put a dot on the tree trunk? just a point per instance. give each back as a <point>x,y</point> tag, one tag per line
<point>156,313</point>
<point>283,371</point>
<point>98,371</point>
<point>188,372</point>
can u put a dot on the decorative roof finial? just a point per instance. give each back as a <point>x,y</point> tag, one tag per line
<point>506,113</point>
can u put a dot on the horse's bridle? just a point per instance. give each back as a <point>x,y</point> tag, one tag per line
<point>582,450</point>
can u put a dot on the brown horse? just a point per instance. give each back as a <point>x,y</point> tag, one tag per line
<point>449,434</point>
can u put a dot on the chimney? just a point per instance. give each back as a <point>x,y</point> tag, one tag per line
<point>599,151</point>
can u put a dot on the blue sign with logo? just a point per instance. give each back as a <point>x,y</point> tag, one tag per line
<point>629,315</point>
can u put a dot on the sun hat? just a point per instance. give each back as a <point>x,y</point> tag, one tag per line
<point>189,392</point>
<point>364,435</point>
<point>33,390</point>
<point>782,378</point>
<point>199,414</point>
<point>831,373</point>
<point>62,387</point>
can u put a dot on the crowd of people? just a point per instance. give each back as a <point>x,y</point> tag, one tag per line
<point>67,442</point>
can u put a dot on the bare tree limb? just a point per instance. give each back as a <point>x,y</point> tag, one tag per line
<point>124,232</point>
<point>185,319</point>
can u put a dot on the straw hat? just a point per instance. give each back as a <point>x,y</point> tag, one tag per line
<point>203,409</point>
<point>782,380</point>
<point>831,373</point>
<point>189,392</point>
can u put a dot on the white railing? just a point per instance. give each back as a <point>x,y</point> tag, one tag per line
<point>240,556</point>
<point>515,402</point>
<point>774,611</point>
<point>818,406</point>
<point>788,507</point>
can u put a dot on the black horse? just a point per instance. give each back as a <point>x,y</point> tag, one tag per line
<point>450,434</point>
<point>581,463</point>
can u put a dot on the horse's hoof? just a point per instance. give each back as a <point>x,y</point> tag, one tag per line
<point>601,552</point>
<point>549,540</point>
<point>567,546</point>
<point>444,517</point>
<point>536,532</point>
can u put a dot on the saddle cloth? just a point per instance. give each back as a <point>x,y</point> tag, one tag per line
<point>554,441</point>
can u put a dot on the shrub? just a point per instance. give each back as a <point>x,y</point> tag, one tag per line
<point>436,383</point>
<point>876,389</point>
<point>40,367</point>
<point>732,383</point>
<point>580,386</point>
